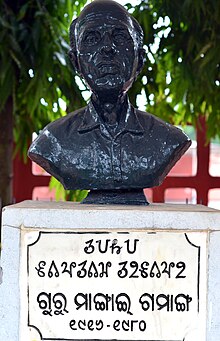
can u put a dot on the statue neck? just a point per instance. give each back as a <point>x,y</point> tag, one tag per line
<point>111,108</point>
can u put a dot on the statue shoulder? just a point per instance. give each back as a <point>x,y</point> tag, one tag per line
<point>63,125</point>
<point>61,128</point>
<point>48,147</point>
<point>161,129</point>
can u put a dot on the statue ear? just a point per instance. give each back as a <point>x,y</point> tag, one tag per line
<point>73,57</point>
<point>141,59</point>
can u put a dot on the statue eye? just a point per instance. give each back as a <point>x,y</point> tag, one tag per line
<point>92,38</point>
<point>120,36</point>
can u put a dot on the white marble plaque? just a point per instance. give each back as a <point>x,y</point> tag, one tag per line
<point>106,285</point>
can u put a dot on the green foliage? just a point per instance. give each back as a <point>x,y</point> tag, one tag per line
<point>34,66</point>
<point>188,39</point>
<point>35,70</point>
<point>62,194</point>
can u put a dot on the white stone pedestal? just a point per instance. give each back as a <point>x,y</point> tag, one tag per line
<point>87,272</point>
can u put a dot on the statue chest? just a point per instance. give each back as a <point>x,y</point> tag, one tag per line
<point>95,161</point>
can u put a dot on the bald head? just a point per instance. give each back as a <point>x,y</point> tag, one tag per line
<point>101,7</point>
<point>110,9</point>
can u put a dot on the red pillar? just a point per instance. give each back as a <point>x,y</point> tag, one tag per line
<point>203,158</point>
<point>24,181</point>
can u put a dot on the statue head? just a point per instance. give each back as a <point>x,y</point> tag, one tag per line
<point>107,47</point>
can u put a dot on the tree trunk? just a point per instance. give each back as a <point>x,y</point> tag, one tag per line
<point>6,150</point>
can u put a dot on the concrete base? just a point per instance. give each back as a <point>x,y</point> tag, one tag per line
<point>186,237</point>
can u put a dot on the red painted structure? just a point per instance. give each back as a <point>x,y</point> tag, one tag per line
<point>202,182</point>
<point>25,181</point>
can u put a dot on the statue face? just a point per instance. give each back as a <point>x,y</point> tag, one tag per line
<point>107,53</point>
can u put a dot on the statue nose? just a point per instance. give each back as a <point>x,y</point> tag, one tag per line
<point>108,45</point>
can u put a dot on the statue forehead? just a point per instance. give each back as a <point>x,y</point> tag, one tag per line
<point>101,22</point>
<point>100,11</point>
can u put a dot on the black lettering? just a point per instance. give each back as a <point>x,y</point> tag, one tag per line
<point>144,269</point>
<point>167,269</point>
<point>134,265</point>
<point>53,271</point>
<point>81,300</point>
<point>116,325</point>
<point>60,303</point>
<point>142,326</point>
<point>147,301</point>
<point>99,324</point>
<point>123,303</point>
<point>114,247</point>
<point>102,301</point>
<point>155,267</point>
<point>182,306</point>
<point>82,324</point>
<point>134,246</point>
<point>163,301</point>
<point>99,242</point>
<point>82,272</point>
<point>70,270</point>
<point>123,272</point>
<point>72,324</point>
<point>90,325</point>
<point>133,322</point>
<point>124,325</point>
<point>105,267</point>
<point>44,301</point>
<point>90,248</point>
<point>41,266</point>
<point>182,267</point>
<point>93,272</point>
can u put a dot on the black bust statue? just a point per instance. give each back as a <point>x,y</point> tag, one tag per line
<point>109,145</point>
